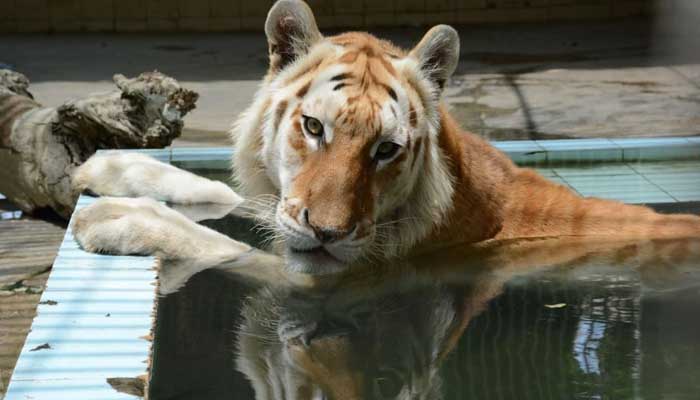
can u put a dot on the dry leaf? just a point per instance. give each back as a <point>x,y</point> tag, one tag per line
<point>558,305</point>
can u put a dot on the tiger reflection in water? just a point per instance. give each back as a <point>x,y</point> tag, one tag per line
<point>384,334</point>
<point>293,345</point>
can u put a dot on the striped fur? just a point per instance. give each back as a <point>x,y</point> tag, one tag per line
<point>444,185</point>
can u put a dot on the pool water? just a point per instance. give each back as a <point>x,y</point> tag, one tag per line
<point>580,329</point>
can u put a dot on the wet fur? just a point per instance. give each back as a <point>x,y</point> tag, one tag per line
<point>448,186</point>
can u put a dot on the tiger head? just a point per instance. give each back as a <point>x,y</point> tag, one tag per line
<point>344,132</point>
<point>343,346</point>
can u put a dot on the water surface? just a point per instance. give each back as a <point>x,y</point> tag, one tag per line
<point>543,320</point>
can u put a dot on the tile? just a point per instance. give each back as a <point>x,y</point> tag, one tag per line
<point>529,158</point>
<point>576,144</point>
<point>255,9</point>
<point>199,158</point>
<point>162,8</point>
<point>661,153</point>
<point>96,388</point>
<point>628,143</point>
<point>546,172</point>
<point>32,25</point>
<point>203,164</point>
<point>471,4</point>
<point>201,153</point>
<point>650,149</point>
<point>347,6</point>
<point>685,196</point>
<point>596,170</point>
<point>188,8</point>
<point>379,19</point>
<point>66,9</point>
<point>97,9</point>
<point>372,7</point>
<point>86,346</point>
<point>435,18</point>
<point>608,181</point>
<point>684,184</point>
<point>251,23</point>
<point>560,181</point>
<point>8,10</point>
<point>602,184</point>
<point>524,152</point>
<point>226,24</point>
<point>132,9</point>
<point>410,6</point>
<point>579,12</point>
<point>668,167</point>
<point>66,25</point>
<point>627,188</point>
<point>156,24</point>
<point>583,157</point>
<point>98,25</point>
<point>616,189</point>
<point>348,20</point>
<point>684,190</point>
<point>689,178</point>
<point>517,145</point>
<point>158,154</point>
<point>130,25</point>
<point>224,8</point>
<point>193,24</point>
<point>32,10</point>
<point>407,19</point>
<point>8,26</point>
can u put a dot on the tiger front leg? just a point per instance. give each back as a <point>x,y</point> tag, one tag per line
<point>138,175</point>
<point>143,226</point>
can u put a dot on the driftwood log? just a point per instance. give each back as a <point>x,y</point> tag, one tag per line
<point>41,146</point>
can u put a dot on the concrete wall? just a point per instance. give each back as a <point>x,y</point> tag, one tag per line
<point>241,15</point>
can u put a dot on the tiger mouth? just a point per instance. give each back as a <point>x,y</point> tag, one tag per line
<point>309,250</point>
<point>318,251</point>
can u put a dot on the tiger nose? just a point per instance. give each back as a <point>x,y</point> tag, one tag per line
<point>327,234</point>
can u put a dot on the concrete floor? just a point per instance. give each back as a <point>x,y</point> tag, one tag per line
<point>630,78</point>
<point>607,79</point>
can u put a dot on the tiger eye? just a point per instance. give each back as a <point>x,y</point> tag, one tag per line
<point>313,126</point>
<point>386,150</point>
<point>388,384</point>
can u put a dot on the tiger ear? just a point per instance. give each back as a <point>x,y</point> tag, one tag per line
<point>291,30</point>
<point>438,53</point>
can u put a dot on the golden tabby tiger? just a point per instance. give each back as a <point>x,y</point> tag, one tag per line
<point>349,137</point>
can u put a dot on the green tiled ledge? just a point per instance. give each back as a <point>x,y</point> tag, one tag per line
<point>638,170</point>
<point>523,152</point>
<point>91,324</point>
<point>638,182</point>
<point>583,151</point>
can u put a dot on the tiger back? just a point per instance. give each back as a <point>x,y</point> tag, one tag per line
<point>349,136</point>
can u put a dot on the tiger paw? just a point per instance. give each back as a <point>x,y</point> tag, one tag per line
<point>138,175</point>
<point>122,226</point>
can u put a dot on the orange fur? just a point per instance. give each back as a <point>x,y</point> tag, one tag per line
<point>497,200</point>
<point>493,200</point>
<point>453,186</point>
